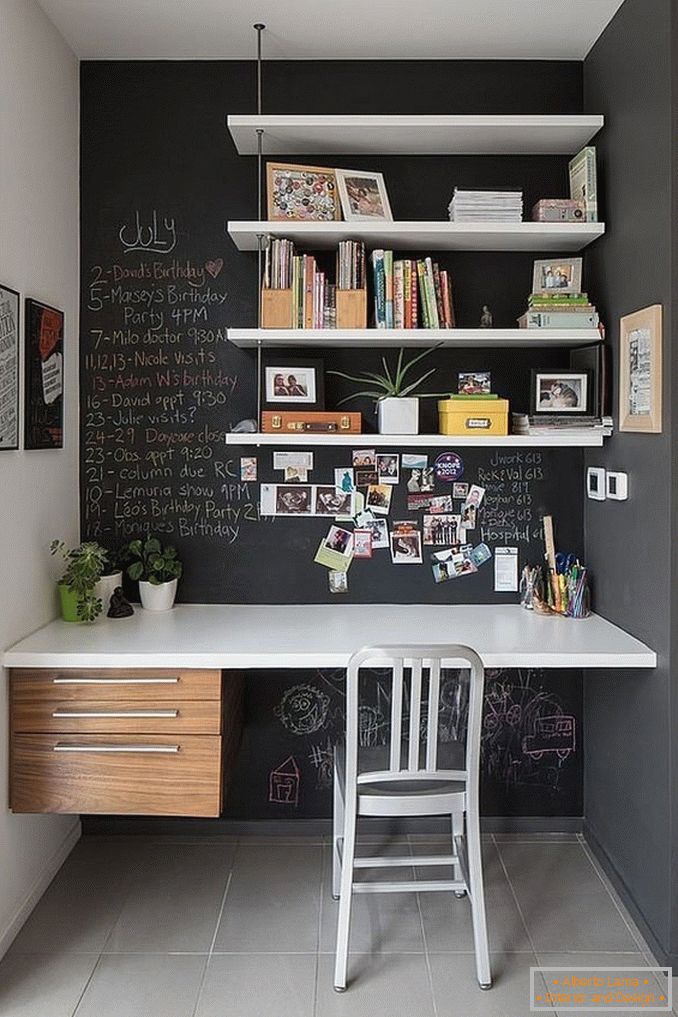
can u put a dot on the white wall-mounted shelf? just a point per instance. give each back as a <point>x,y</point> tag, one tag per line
<point>561,440</point>
<point>425,235</point>
<point>376,338</point>
<point>532,134</point>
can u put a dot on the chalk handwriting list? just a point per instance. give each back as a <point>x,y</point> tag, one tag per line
<point>148,236</point>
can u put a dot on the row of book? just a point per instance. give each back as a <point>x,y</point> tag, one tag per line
<point>351,265</point>
<point>411,294</point>
<point>543,424</point>
<point>559,310</point>
<point>314,301</point>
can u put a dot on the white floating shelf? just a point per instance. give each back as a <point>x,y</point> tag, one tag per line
<point>561,440</point>
<point>375,338</point>
<point>425,235</point>
<point>533,134</point>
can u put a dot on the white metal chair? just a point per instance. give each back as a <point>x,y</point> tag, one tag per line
<point>411,786</point>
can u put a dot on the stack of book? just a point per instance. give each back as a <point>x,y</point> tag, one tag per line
<point>278,264</point>
<point>411,294</point>
<point>486,206</point>
<point>351,265</point>
<point>559,310</point>
<point>544,424</point>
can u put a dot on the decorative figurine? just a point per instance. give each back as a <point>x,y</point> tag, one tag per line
<point>120,606</point>
<point>486,319</point>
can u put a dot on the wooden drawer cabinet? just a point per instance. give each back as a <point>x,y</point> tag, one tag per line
<point>134,742</point>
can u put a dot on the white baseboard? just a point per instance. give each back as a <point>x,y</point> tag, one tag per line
<point>8,935</point>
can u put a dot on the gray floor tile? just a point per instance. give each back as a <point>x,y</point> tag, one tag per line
<point>379,984</point>
<point>175,900</point>
<point>557,922</point>
<point>258,985</point>
<point>37,985</point>
<point>456,990</point>
<point>580,960</point>
<point>272,903</point>
<point>143,985</point>
<point>536,866</point>
<point>447,920</point>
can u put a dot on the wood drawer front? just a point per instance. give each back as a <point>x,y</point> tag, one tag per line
<point>124,716</point>
<point>124,774</point>
<point>105,684</point>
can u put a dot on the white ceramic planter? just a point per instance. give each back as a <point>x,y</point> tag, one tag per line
<point>158,598</point>
<point>398,416</point>
<point>105,588</point>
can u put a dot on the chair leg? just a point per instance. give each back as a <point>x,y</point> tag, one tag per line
<point>477,894</point>
<point>337,828</point>
<point>345,900</point>
<point>457,831</point>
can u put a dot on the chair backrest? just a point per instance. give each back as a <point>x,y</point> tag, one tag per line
<point>419,662</point>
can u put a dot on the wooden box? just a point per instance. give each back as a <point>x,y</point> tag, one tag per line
<point>473,416</point>
<point>310,421</point>
<point>277,307</point>
<point>351,308</point>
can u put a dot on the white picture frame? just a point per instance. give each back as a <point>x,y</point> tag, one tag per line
<point>557,276</point>
<point>363,196</point>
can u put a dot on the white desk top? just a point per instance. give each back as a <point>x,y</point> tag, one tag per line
<point>325,635</point>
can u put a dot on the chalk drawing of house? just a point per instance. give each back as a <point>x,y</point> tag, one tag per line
<point>283,783</point>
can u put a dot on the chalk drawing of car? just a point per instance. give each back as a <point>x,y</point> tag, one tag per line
<point>551,734</point>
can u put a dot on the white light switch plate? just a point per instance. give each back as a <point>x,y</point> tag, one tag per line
<point>617,486</point>
<point>595,483</point>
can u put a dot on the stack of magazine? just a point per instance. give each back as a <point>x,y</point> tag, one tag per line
<point>411,294</point>
<point>544,424</point>
<point>351,265</point>
<point>486,206</point>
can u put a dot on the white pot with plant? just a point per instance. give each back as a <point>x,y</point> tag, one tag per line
<point>78,596</point>
<point>397,404</point>
<point>157,569</point>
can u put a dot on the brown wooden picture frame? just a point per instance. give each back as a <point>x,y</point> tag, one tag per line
<point>640,370</point>
<point>301,178</point>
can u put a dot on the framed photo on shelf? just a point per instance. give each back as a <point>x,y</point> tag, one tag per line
<point>559,392</point>
<point>640,371</point>
<point>291,384</point>
<point>9,369</point>
<point>363,196</point>
<point>557,276</point>
<point>301,193</point>
<point>44,376</point>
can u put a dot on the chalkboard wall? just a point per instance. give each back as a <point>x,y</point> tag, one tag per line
<point>161,387</point>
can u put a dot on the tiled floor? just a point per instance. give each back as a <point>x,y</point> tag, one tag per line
<point>245,928</point>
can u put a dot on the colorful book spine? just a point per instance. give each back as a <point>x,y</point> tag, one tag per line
<point>388,288</point>
<point>398,295</point>
<point>414,297</point>
<point>431,293</point>
<point>447,299</point>
<point>379,289</point>
<point>439,295</point>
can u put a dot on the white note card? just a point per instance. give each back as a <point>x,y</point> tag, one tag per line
<point>505,569</point>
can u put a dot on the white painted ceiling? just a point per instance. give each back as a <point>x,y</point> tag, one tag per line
<point>340,29</point>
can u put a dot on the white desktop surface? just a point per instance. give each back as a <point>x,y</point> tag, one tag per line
<point>325,635</point>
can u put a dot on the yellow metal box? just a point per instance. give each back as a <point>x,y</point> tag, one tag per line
<point>473,416</point>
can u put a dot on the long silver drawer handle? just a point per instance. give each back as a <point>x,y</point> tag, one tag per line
<point>115,681</point>
<point>61,747</point>
<point>116,713</point>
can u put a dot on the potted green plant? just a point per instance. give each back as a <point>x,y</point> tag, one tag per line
<point>77,587</point>
<point>157,570</point>
<point>396,401</point>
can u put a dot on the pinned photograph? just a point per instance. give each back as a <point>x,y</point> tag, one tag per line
<point>365,457</point>
<point>388,468</point>
<point>337,582</point>
<point>405,544</point>
<point>281,460</point>
<point>557,275</point>
<point>379,532</point>
<point>452,563</point>
<point>475,496</point>
<point>415,502</point>
<point>474,383</point>
<point>480,554</point>
<point>414,483</point>
<point>248,468</point>
<point>295,475</point>
<point>362,543</point>
<point>332,501</point>
<point>428,481</point>
<point>363,196</point>
<point>441,503</point>
<point>413,461</point>
<point>336,549</point>
<point>440,530</point>
<point>379,498</point>
<point>366,476</point>
<point>357,507</point>
<point>559,392</point>
<point>460,489</point>
<point>468,517</point>
<point>344,479</point>
<point>293,500</point>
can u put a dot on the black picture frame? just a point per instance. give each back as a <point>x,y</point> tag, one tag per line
<point>10,362</point>
<point>596,359</point>
<point>43,376</point>
<point>560,406</point>
<point>307,374</point>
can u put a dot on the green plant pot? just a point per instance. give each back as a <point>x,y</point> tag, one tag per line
<point>69,603</point>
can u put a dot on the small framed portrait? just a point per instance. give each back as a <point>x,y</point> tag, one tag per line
<point>560,392</point>
<point>301,193</point>
<point>9,369</point>
<point>43,376</point>
<point>474,383</point>
<point>557,276</point>
<point>291,384</point>
<point>362,543</point>
<point>363,196</point>
<point>640,371</point>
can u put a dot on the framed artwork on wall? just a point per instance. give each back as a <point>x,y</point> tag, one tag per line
<point>44,376</point>
<point>640,371</point>
<point>9,369</point>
